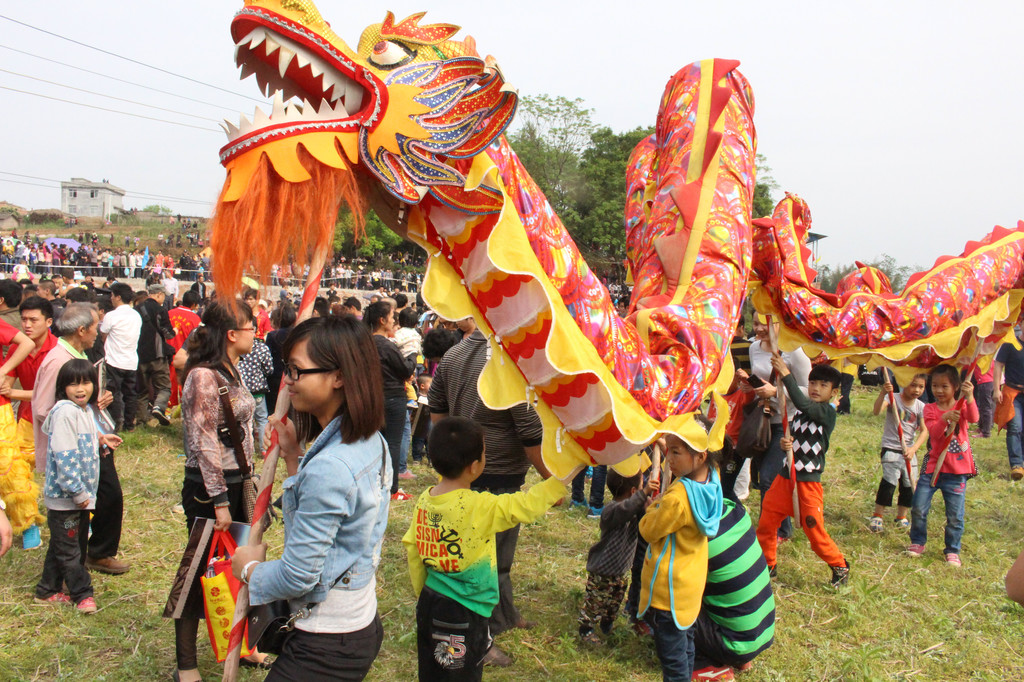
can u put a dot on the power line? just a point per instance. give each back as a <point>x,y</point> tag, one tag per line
<point>127,59</point>
<point>115,78</point>
<point>100,94</point>
<point>114,111</point>
<point>22,182</point>
<point>141,195</point>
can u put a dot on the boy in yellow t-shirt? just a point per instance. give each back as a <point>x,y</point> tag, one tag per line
<point>452,559</point>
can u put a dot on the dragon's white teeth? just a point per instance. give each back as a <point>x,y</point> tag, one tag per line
<point>271,45</point>
<point>293,112</point>
<point>247,70</point>
<point>230,128</point>
<point>260,119</point>
<point>308,110</point>
<point>326,110</point>
<point>354,99</point>
<point>254,38</point>
<point>284,60</point>
<point>279,110</point>
<point>340,83</point>
<point>244,125</point>
<point>315,69</point>
<point>303,60</point>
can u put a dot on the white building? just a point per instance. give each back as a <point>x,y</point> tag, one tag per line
<point>80,197</point>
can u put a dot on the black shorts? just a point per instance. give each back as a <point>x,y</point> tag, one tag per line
<point>451,640</point>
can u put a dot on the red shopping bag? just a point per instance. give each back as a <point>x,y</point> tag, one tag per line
<point>220,589</point>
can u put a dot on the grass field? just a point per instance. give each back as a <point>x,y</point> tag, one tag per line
<point>900,618</point>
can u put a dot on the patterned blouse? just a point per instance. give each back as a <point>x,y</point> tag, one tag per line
<point>256,366</point>
<point>202,416</point>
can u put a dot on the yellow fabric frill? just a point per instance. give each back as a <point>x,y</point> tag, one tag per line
<point>17,485</point>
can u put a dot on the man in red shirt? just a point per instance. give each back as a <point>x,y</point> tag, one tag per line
<point>184,320</point>
<point>36,318</point>
<point>263,326</point>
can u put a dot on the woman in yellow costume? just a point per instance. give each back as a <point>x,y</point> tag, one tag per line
<point>18,488</point>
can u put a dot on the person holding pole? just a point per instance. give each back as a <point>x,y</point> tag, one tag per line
<point>213,484</point>
<point>899,448</point>
<point>810,430</point>
<point>946,469</point>
<point>335,504</point>
<point>761,380</point>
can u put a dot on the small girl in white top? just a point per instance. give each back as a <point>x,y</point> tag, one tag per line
<point>72,475</point>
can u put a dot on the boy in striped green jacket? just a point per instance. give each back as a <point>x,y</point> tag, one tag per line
<point>737,616</point>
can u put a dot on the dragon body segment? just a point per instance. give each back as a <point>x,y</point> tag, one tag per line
<point>961,309</point>
<point>411,124</point>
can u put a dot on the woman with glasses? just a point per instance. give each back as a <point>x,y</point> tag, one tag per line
<point>395,371</point>
<point>213,486</point>
<point>335,502</point>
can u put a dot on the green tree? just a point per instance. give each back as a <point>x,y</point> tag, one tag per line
<point>764,204</point>
<point>601,202</point>
<point>375,241</point>
<point>157,208</point>
<point>550,141</point>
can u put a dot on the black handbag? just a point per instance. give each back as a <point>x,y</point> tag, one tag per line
<point>270,625</point>
<point>755,436</point>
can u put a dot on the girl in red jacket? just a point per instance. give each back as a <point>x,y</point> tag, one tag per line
<point>957,467</point>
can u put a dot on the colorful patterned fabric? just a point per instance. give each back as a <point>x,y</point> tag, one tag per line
<point>963,307</point>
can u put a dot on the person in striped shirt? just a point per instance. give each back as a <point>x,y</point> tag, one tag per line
<point>737,616</point>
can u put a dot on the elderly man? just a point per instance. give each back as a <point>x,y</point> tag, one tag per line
<point>78,327</point>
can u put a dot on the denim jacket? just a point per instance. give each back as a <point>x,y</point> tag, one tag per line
<point>335,514</point>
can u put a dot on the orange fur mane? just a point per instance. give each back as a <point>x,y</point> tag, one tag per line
<point>274,219</point>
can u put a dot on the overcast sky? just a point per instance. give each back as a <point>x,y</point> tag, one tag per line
<point>898,122</point>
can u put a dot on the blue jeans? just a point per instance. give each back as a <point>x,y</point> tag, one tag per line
<point>674,646</point>
<point>403,455</point>
<point>395,415</point>
<point>419,448</point>
<point>1013,432</point>
<point>259,418</point>
<point>953,487</point>
<point>596,486</point>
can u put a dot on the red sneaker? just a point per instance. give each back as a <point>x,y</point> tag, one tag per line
<point>87,605</point>
<point>55,598</point>
<point>713,673</point>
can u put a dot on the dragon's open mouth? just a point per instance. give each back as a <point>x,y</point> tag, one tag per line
<point>291,62</point>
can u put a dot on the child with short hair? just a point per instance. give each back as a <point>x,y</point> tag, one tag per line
<point>810,430</point>
<point>419,417</point>
<point>451,549</point>
<point>676,564</point>
<point>609,560</point>
<point>72,477</point>
<point>956,468</point>
<point>896,455</point>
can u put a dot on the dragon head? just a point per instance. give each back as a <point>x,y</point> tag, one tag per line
<point>406,109</point>
<point>402,104</point>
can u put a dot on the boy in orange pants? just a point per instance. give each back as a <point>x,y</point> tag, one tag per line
<point>810,431</point>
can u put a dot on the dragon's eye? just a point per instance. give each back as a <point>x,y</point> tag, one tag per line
<point>387,54</point>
